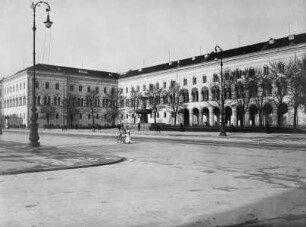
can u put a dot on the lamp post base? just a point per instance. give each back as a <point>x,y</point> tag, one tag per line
<point>34,135</point>
<point>222,132</point>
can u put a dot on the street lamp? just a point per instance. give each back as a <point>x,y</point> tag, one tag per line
<point>222,126</point>
<point>34,125</point>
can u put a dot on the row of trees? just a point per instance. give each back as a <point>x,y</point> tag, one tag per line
<point>282,84</point>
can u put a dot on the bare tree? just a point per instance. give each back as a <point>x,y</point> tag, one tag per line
<point>262,82</point>
<point>134,102</point>
<point>114,104</point>
<point>92,99</point>
<point>47,113</point>
<point>297,80</point>
<point>70,108</point>
<point>173,99</point>
<point>154,94</point>
<point>280,73</point>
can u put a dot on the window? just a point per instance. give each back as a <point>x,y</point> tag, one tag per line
<point>88,89</point>
<point>165,114</point>
<point>157,85</point>
<point>81,116</point>
<point>88,116</point>
<point>157,114</point>
<point>151,87</point>
<point>252,72</point>
<point>47,85</point>
<point>266,70</point>
<point>97,89</point>
<point>37,84</point>
<point>164,85</point>
<point>215,77</point>
<point>71,87</point>
<point>281,67</point>
<point>126,90</point>
<point>57,86</point>
<point>185,82</point>
<point>204,79</point>
<point>97,116</point>
<point>138,88</point>
<point>172,83</point>
<point>57,116</point>
<point>238,73</point>
<point>80,88</point>
<point>144,87</point>
<point>105,90</point>
<point>127,116</point>
<point>226,76</point>
<point>194,80</point>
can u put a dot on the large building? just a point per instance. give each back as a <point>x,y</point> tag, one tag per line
<point>198,76</point>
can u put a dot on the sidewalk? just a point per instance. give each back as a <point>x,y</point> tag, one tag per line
<point>17,158</point>
<point>295,141</point>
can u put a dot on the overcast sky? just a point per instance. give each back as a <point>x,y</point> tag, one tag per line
<point>118,35</point>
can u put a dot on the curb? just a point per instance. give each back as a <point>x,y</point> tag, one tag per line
<point>115,159</point>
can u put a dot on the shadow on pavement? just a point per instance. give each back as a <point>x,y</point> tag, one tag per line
<point>284,210</point>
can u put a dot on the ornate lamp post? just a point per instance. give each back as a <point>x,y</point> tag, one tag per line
<point>34,125</point>
<point>222,126</point>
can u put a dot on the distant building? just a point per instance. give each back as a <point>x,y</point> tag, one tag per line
<point>198,76</point>
<point>53,85</point>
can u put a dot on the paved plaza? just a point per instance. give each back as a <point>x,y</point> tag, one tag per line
<point>167,179</point>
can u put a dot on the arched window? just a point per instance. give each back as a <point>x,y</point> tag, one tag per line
<point>205,94</point>
<point>55,101</point>
<point>195,95</point>
<point>38,100</point>
<point>45,100</point>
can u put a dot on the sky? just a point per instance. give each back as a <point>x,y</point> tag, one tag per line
<point>119,35</point>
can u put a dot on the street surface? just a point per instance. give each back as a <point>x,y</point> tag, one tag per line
<point>183,181</point>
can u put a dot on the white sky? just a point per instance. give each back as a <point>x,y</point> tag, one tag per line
<point>118,35</point>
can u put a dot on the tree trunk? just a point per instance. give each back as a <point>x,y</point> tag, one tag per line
<point>295,116</point>
<point>174,118</point>
<point>260,114</point>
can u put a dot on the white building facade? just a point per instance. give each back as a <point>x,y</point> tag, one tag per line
<point>199,77</point>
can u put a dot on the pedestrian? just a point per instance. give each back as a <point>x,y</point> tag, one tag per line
<point>158,128</point>
<point>267,127</point>
<point>138,127</point>
<point>233,128</point>
<point>119,127</point>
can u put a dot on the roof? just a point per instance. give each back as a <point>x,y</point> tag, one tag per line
<point>73,71</point>
<point>268,45</point>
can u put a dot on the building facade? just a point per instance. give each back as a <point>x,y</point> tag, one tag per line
<point>198,77</point>
<point>55,87</point>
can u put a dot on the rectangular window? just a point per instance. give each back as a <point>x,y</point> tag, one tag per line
<point>194,80</point>
<point>185,82</point>
<point>97,116</point>
<point>47,85</point>
<point>126,90</point>
<point>165,114</point>
<point>105,90</point>
<point>57,86</point>
<point>157,114</point>
<point>88,116</point>
<point>204,79</point>
<point>165,85</point>
<point>266,70</point>
<point>81,116</point>
<point>97,89</point>
<point>71,87</point>
<point>88,89</point>
<point>37,84</point>
<point>151,87</point>
<point>215,79</point>
<point>144,87</point>
<point>138,88</point>
<point>80,88</point>
<point>157,85</point>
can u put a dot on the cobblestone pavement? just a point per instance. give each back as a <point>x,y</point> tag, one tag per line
<point>161,183</point>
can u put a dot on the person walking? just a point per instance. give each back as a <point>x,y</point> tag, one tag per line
<point>138,127</point>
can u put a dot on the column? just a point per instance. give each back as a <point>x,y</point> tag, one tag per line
<point>234,116</point>
<point>190,117</point>
<point>247,118</point>
<point>211,116</point>
<point>201,116</point>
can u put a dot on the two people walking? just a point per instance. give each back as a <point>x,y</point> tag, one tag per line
<point>124,134</point>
